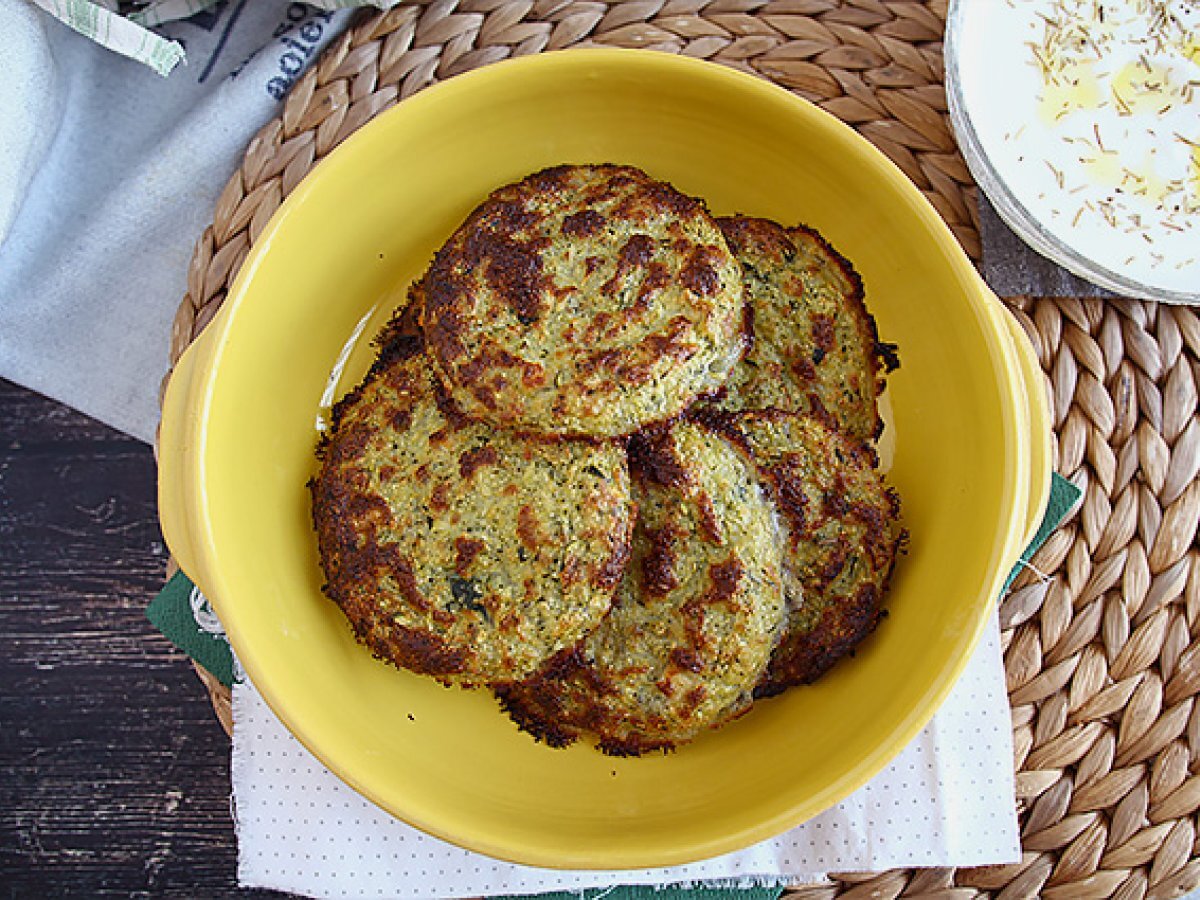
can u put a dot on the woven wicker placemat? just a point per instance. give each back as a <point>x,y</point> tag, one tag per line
<point>1102,634</point>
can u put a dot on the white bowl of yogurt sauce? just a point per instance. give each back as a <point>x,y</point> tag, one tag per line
<point>1080,120</point>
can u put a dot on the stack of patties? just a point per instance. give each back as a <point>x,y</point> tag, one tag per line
<point>613,463</point>
<point>815,367</point>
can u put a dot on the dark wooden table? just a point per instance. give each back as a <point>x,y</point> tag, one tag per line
<point>114,773</point>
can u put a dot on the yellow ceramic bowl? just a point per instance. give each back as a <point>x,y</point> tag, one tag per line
<point>239,429</point>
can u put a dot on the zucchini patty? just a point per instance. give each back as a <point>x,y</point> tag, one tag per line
<point>815,348</point>
<point>458,551</point>
<point>696,617</point>
<point>842,531</point>
<point>587,300</point>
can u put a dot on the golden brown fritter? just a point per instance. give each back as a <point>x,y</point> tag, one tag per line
<point>459,551</point>
<point>695,620</point>
<point>842,531</point>
<point>587,300</point>
<point>815,348</point>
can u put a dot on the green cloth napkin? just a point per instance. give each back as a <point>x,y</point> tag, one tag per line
<point>183,614</point>
<point>1063,496</point>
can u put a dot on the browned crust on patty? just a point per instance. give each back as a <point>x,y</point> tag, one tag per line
<point>437,574</point>
<point>843,534</point>
<point>694,622</point>
<point>815,347</point>
<point>585,300</point>
<point>840,627</point>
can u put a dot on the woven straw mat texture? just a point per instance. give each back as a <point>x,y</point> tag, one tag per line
<point>1102,633</point>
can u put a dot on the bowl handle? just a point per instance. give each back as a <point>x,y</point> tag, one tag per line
<point>179,435</point>
<point>1037,407</point>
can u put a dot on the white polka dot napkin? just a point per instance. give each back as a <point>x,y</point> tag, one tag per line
<point>946,800</point>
